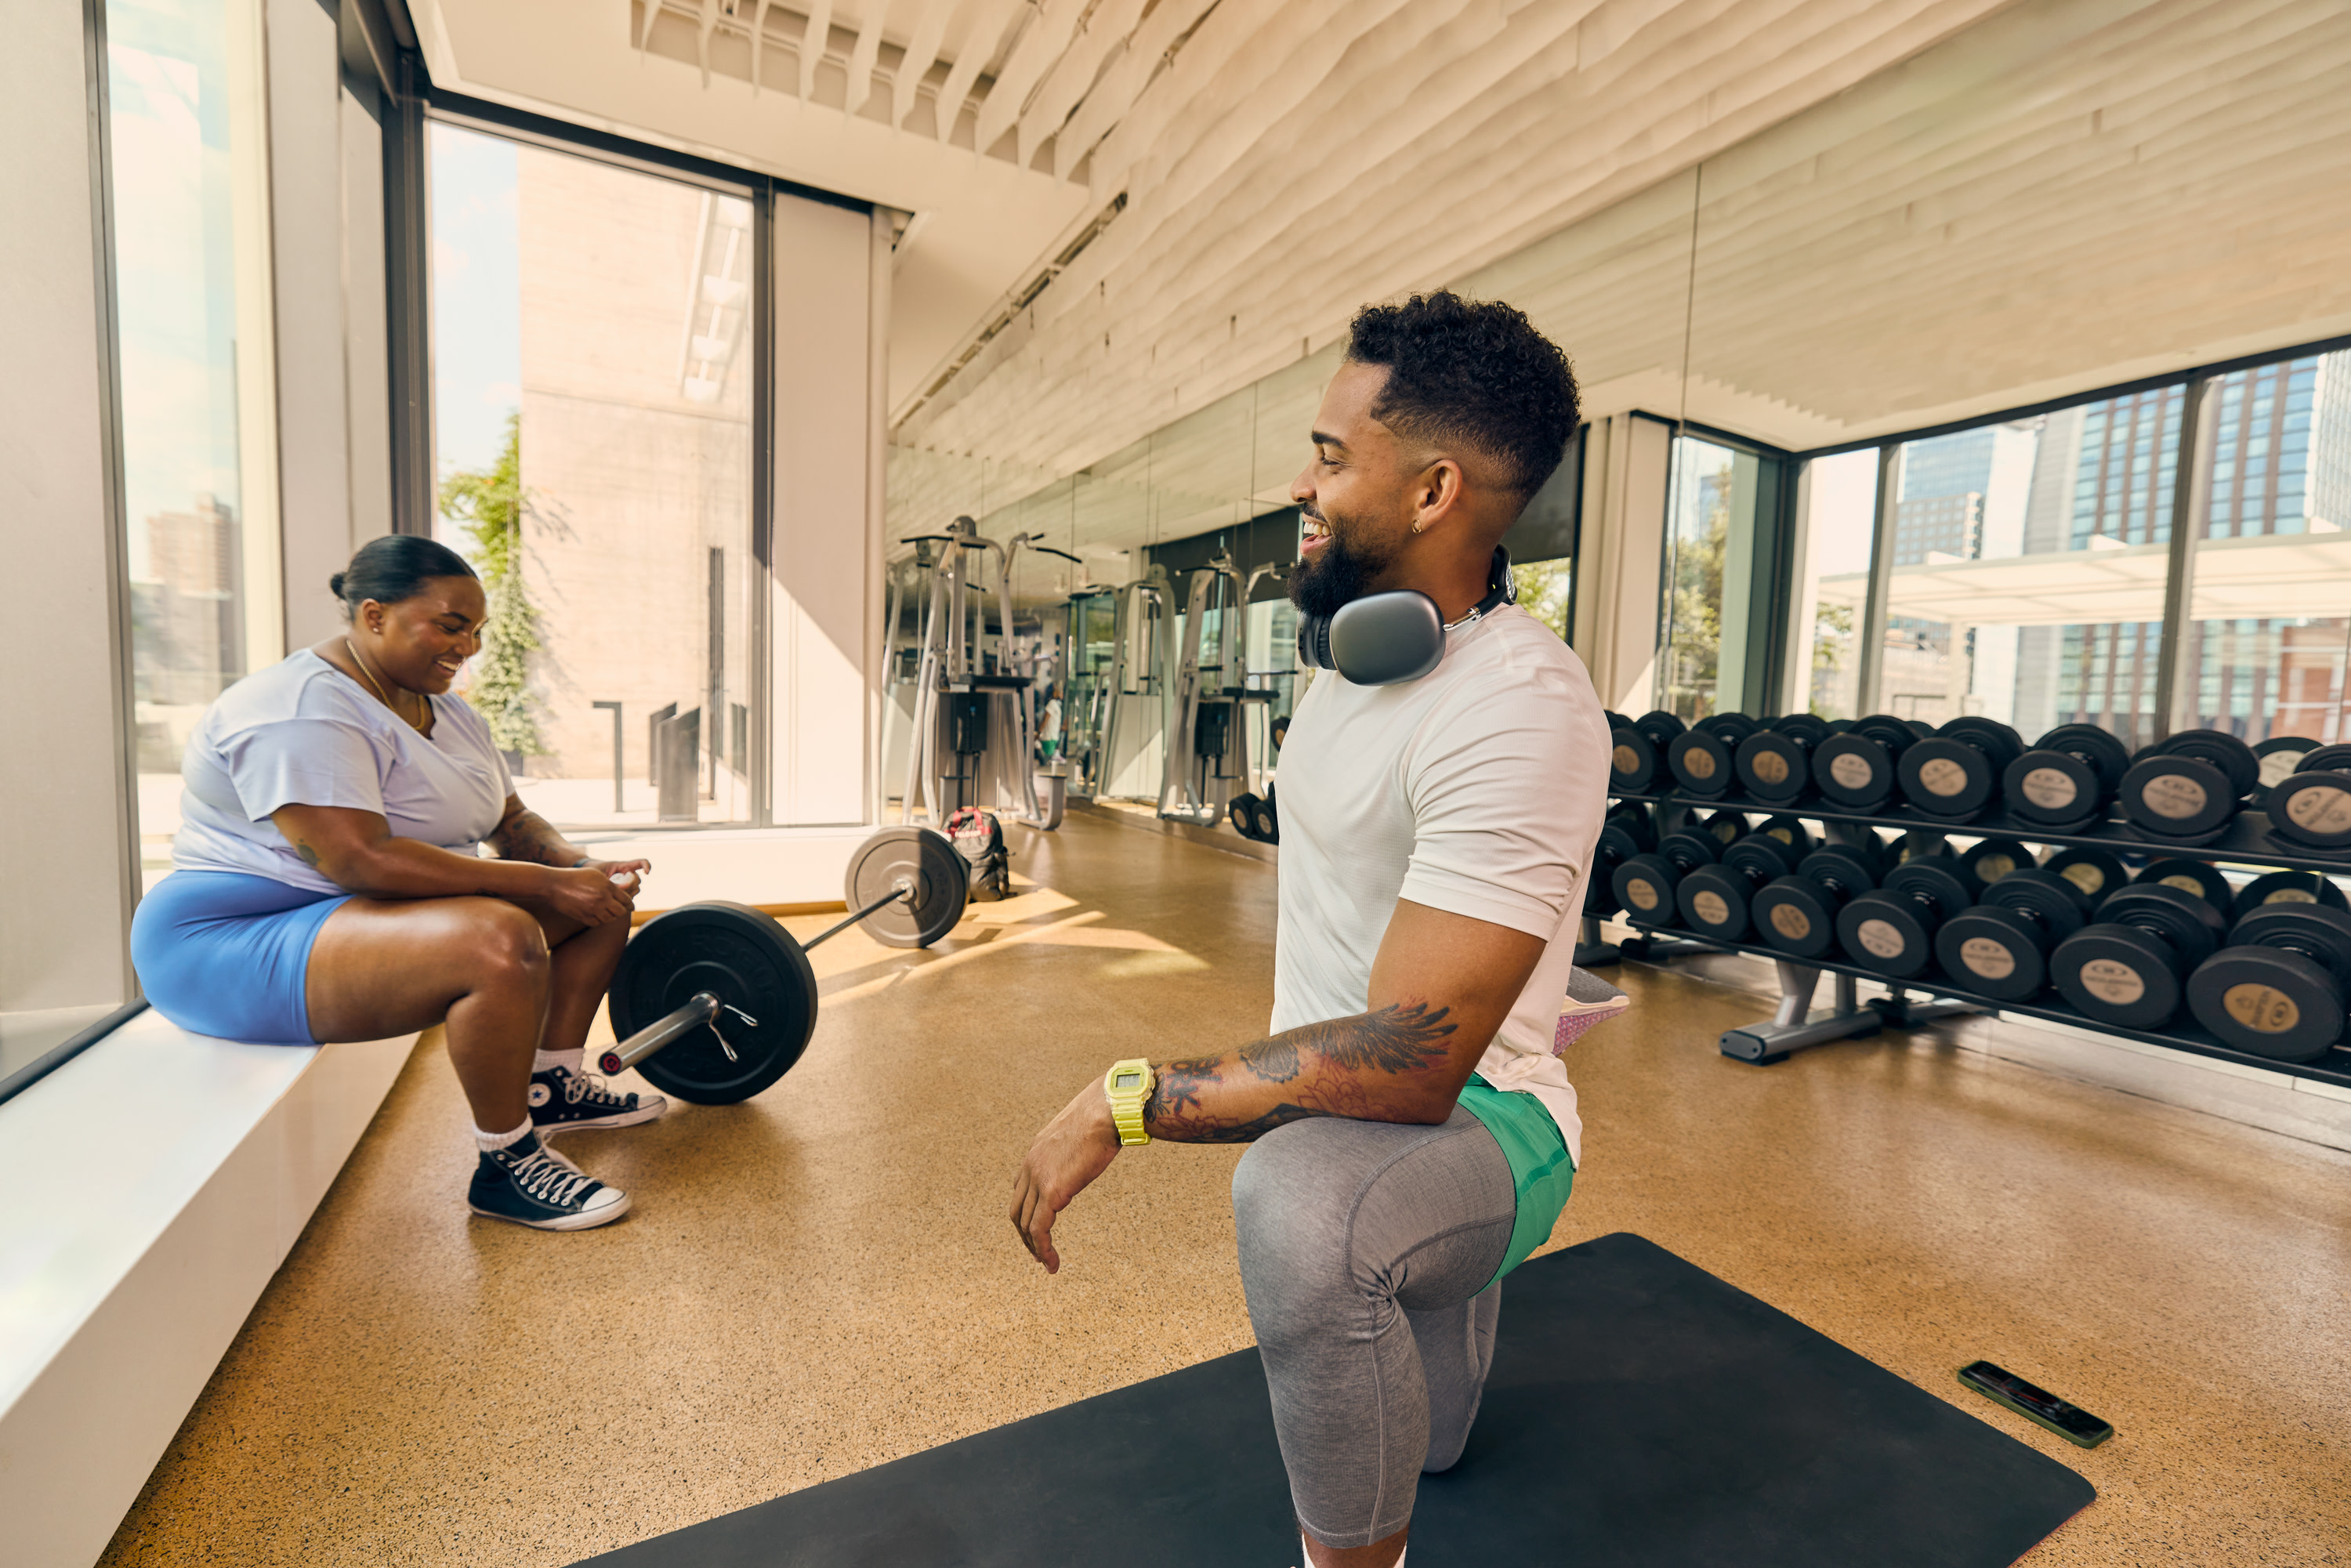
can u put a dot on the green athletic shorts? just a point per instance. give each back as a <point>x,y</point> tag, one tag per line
<point>1539,1167</point>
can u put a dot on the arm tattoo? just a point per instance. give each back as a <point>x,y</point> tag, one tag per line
<point>1394,1041</point>
<point>309,856</point>
<point>526,836</point>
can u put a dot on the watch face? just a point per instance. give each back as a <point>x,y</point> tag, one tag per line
<point>1128,1080</point>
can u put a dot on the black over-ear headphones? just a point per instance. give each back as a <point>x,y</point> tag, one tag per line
<point>1388,639</point>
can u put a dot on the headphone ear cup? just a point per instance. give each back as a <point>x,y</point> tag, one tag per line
<point>1314,642</point>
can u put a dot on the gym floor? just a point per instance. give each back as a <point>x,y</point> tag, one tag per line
<point>824,1279</point>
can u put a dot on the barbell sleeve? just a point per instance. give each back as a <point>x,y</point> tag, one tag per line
<point>699,1009</point>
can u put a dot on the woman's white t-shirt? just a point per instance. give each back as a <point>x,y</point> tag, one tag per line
<point>1479,790</point>
<point>302,733</point>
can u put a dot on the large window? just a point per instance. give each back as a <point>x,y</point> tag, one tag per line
<point>1710,613</point>
<point>2271,575</point>
<point>592,426</point>
<point>2027,566</point>
<point>198,398</point>
<point>1830,577</point>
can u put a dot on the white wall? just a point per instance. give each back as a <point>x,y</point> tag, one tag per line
<point>64,926</point>
<point>1619,548</point>
<point>825,646</point>
<point>306,194</point>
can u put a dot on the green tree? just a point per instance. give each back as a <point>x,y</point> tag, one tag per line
<point>1693,652</point>
<point>487,503</point>
<point>1542,591</point>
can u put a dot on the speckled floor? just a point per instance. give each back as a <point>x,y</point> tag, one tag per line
<point>822,1279</point>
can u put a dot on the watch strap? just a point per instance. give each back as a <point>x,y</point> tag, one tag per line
<point>1127,1105</point>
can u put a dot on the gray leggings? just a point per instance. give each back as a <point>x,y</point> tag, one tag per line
<point>1365,1248</point>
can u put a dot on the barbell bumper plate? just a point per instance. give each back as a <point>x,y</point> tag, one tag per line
<point>755,969</point>
<point>927,858</point>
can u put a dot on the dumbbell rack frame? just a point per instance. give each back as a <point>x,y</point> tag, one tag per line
<point>2247,841</point>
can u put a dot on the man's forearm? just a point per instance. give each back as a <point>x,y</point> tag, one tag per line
<point>1396,1063</point>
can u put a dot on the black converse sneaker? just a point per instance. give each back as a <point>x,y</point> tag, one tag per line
<point>532,1185</point>
<point>562,1100</point>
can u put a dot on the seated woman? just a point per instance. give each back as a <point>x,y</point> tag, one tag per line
<point>327,885</point>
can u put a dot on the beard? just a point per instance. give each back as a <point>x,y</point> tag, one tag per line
<point>1340,572</point>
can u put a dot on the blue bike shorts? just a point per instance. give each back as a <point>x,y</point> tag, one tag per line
<point>225,953</point>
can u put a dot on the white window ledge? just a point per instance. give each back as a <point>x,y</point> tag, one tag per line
<point>156,1182</point>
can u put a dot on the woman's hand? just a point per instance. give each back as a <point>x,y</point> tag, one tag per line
<point>631,874</point>
<point>589,895</point>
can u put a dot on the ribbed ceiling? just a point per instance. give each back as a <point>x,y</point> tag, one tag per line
<point>2064,195</point>
<point>1299,159</point>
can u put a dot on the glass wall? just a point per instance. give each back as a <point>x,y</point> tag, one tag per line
<point>592,431</point>
<point>198,396</point>
<point>1708,578</point>
<point>2029,559</point>
<point>1829,583</point>
<point>2270,579</point>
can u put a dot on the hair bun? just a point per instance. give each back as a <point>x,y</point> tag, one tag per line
<point>335,585</point>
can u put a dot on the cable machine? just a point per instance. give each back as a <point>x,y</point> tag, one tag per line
<point>975,723</point>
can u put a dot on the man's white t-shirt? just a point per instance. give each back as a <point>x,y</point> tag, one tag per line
<point>1478,789</point>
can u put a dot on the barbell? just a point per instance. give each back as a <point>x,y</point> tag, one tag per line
<point>715,1001</point>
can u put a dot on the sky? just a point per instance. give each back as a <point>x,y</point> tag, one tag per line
<point>476,298</point>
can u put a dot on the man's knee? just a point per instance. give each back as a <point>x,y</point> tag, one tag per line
<point>1290,1218</point>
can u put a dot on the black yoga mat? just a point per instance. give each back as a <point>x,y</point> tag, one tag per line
<point>1641,1412</point>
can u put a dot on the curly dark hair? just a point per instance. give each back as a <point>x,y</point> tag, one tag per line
<point>1471,372</point>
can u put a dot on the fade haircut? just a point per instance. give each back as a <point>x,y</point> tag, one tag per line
<point>1472,373</point>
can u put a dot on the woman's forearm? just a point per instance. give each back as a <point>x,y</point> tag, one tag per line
<point>525,835</point>
<point>410,868</point>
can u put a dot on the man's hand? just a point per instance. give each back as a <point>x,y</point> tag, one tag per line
<point>1075,1147</point>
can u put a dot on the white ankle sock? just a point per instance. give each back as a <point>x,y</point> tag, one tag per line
<point>1307,1549</point>
<point>491,1143</point>
<point>570,1060</point>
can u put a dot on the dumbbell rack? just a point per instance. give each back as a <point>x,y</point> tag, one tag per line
<point>2247,841</point>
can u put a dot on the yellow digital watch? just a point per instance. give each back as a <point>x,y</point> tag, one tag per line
<point>1129,1086</point>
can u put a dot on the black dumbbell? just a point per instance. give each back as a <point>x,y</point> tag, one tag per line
<point>2095,872</point>
<point>1788,829</point>
<point>1775,763</point>
<point>2000,947</point>
<point>1854,768</point>
<point>1954,774</point>
<point>1725,828</point>
<point>2068,778</point>
<point>2289,887</point>
<point>1716,899</point>
<point>2312,805</point>
<point>1797,915</point>
<point>1891,932</point>
<point>2188,786</point>
<point>2129,969</point>
<point>1705,757</point>
<point>1636,753</point>
<point>2278,990</point>
<point>1993,859</point>
<point>1644,886</point>
<point>1627,830</point>
<point>2281,759</point>
<point>2191,877</point>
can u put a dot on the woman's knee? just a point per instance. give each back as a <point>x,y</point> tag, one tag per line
<point>503,943</point>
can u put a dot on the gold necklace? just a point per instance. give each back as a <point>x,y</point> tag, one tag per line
<point>395,706</point>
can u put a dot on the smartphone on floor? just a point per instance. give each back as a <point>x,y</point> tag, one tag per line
<point>2035,1404</point>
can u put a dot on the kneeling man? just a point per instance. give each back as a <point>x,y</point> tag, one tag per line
<point>1416,1135</point>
